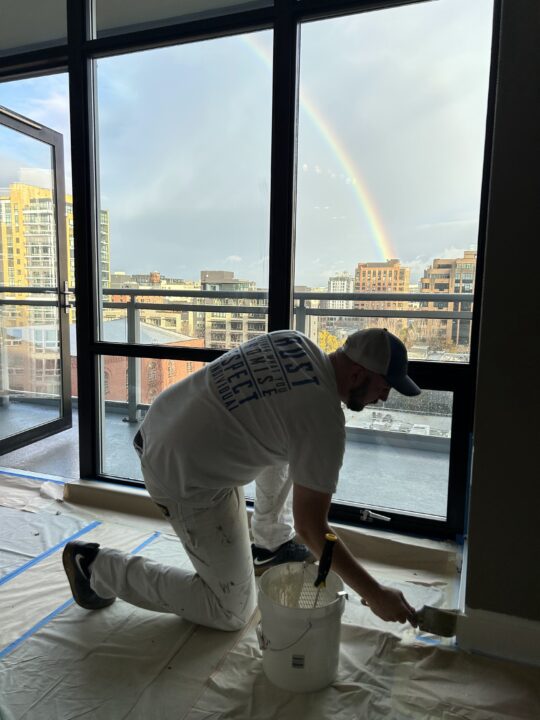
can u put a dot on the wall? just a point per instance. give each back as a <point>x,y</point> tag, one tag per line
<point>503,573</point>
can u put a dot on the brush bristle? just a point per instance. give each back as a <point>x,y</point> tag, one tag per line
<point>438,621</point>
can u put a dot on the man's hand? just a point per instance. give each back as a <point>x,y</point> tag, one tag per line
<point>310,509</point>
<point>391,605</point>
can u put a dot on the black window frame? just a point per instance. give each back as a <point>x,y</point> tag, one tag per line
<point>284,18</point>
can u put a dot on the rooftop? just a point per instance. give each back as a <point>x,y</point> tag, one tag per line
<point>378,470</point>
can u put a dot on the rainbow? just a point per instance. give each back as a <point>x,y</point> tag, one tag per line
<point>384,246</point>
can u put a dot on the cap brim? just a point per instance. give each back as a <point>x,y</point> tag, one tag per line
<point>404,385</point>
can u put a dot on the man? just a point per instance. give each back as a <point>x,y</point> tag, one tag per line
<point>269,410</point>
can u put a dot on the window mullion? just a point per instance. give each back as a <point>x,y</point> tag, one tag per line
<point>283,164</point>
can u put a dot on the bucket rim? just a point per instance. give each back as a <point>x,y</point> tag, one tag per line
<point>320,609</point>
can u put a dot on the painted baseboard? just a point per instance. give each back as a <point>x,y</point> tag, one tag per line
<point>502,636</point>
<point>120,498</point>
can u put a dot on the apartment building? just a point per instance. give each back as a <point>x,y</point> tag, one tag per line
<point>188,322</point>
<point>28,258</point>
<point>382,277</point>
<point>226,329</point>
<point>449,275</point>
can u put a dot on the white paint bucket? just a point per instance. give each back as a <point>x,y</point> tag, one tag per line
<point>300,642</point>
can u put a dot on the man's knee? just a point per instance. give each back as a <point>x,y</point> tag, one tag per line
<point>235,615</point>
<point>230,623</point>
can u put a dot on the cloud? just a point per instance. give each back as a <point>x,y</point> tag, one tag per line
<point>398,103</point>
<point>448,223</point>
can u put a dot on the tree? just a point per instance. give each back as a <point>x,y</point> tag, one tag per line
<point>328,342</point>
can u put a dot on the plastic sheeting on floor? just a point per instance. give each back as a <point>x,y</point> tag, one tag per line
<point>59,662</point>
<point>30,494</point>
<point>380,677</point>
<point>21,543</point>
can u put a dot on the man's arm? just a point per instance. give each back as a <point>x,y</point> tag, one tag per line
<point>310,510</point>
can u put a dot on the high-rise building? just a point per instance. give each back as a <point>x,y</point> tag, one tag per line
<point>28,238</point>
<point>28,258</point>
<point>382,277</point>
<point>341,282</point>
<point>224,329</point>
<point>449,275</point>
<point>338,325</point>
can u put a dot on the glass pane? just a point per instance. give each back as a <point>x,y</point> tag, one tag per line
<point>31,24</point>
<point>30,373</point>
<point>44,100</point>
<point>397,455</point>
<point>128,387</point>
<point>188,181</point>
<point>117,16</point>
<point>30,376</point>
<point>390,150</point>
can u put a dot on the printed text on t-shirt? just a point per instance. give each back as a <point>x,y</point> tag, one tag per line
<point>265,366</point>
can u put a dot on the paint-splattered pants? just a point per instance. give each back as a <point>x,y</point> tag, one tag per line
<point>221,591</point>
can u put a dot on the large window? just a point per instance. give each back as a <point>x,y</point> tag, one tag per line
<point>184,176</point>
<point>392,112</point>
<point>249,166</point>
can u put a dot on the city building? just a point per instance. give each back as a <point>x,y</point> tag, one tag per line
<point>448,275</point>
<point>30,351</point>
<point>341,282</point>
<point>28,238</point>
<point>187,322</point>
<point>382,277</point>
<point>155,374</point>
<point>224,330</point>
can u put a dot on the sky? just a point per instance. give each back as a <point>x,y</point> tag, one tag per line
<point>391,129</point>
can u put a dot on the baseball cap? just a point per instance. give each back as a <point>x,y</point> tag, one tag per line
<point>380,351</point>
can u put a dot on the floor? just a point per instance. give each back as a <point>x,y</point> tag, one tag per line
<point>60,661</point>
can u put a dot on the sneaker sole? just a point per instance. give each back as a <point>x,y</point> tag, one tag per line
<point>260,569</point>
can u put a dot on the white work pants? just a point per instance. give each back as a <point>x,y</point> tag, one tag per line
<point>272,520</point>
<point>221,593</point>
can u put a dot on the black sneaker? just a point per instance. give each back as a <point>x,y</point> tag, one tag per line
<point>77,557</point>
<point>290,551</point>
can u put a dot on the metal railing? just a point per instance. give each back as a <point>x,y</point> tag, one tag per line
<point>302,309</point>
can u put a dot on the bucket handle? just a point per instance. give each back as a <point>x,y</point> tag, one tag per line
<point>264,643</point>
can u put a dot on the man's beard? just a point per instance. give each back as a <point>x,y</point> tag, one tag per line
<point>357,397</point>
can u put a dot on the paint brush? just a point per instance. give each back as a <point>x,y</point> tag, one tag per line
<point>437,621</point>
<point>324,564</point>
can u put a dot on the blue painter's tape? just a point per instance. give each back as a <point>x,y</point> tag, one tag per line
<point>35,628</point>
<point>15,644</point>
<point>33,476</point>
<point>48,552</point>
<point>146,542</point>
<point>428,640</point>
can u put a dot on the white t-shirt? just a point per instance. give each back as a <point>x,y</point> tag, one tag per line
<point>273,400</point>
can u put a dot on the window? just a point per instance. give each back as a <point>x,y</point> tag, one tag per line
<point>188,212</point>
<point>351,129</point>
<point>209,152</point>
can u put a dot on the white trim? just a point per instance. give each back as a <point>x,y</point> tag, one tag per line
<point>502,636</point>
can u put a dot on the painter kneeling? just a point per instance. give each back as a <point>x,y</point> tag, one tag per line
<point>269,411</point>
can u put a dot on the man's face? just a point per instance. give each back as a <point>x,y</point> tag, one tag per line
<point>367,391</point>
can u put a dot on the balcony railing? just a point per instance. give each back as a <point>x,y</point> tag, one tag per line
<point>237,304</point>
